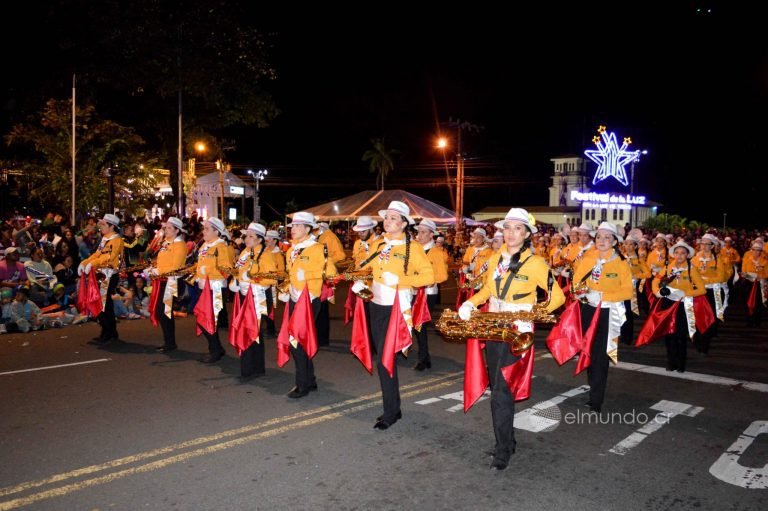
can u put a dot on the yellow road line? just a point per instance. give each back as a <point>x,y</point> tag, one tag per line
<point>418,388</point>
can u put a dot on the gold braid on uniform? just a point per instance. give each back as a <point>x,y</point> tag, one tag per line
<point>407,249</point>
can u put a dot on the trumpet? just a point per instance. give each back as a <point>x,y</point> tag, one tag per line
<point>350,276</point>
<point>181,272</point>
<point>496,326</point>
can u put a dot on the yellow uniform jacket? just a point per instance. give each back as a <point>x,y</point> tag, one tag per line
<point>335,248</point>
<point>109,253</point>
<point>614,280</point>
<point>690,284</point>
<point>171,256</point>
<point>309,257</point>
<point>210,258</point>
<point>712,269</point>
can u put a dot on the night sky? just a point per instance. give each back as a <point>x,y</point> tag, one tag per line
<point>689,83</point>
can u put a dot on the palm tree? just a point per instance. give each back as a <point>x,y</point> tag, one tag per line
<point>382,160</point>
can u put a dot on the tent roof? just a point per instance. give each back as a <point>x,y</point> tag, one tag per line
<point>370,202</point>
<point>209,184</point>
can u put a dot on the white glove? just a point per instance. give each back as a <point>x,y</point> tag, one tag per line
<point>466,270</point>
<point>300,274</point>
<point>87,268</point>
<point>390,279</point>
<point>358,286</point>
<point>244,277</point>
<point>154,272</point>
<point>233,286</point>
<point>465,311</point>
<point>284,297</point>
<point>201,270</point>
<point>80,269</point>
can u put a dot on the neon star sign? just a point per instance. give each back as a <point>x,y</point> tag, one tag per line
<point>610,157</point>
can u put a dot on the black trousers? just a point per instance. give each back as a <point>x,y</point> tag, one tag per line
<point>252,360</point>
<point>421,337</point>
<point>214,343</point>
<point>390,387</point>
<point>168,325</point>
<point>107,317</point>
<point>757,316</point>
<point>677,343</point>
<point>703,340</point>
<point>270,307</point>
<point>597,372</point>
<point>628,328</point>
<point>305,369</point>
<point>323,323</point>
<point>497,356</point>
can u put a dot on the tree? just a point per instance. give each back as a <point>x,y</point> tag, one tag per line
<point>100,144</point>
<point>381,160</point>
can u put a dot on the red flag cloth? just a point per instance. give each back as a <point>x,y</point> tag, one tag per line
<point>703,314</point>
<point>752,300</point>
<point>485,307</point>
<point>360,345</point>
<point>93,297</point>
<point>153,298</point>
<point>248,329</point>
<point>659,323</point>
<point>398,336</point>
<point>326,292</point>
<point>283,342</point>
<point>462,295</point>
<point>564,340</point>
<point>586,342</point>
<point>349,306</point>
<point>420,309</point>
<point>82,294</point>
<point>302,324</point>
<point>475,375</point>
<point>518,376</point>
<point>204,319</point>
<point>234,324</point>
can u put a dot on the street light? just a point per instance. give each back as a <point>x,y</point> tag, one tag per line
<point>259,175</point>
<point>442,143</point>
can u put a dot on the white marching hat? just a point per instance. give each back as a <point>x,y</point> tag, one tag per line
<point>176,222</point>
<point>273,234</point>
<point>364,223</point>
<point>323,225</point>
<point>498,234</point>
<point>757,243</point>
<point>256,228</point>
<point>584,227</point>
<point>712,239</point>
<point>218,225</point>
<point>608,226</point>
<point>400,208</point>
<point>480,232</point>
<point>112,219</point>
<point>429,224</point>
<point>685,245</point>
<point>518,215</point>
<point>303,218</point>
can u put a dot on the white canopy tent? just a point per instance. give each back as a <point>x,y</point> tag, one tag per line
<point>206,195</point>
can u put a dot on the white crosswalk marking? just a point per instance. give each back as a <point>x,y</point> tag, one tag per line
<point>545,414</point>
<point>668,410</point>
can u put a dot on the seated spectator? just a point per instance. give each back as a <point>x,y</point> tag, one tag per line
<point>66,274</point>
<point>41,278</point>
<point>123,302</point>
<point>141,297</point>
<point>12,272</point>
<point>24,313</point>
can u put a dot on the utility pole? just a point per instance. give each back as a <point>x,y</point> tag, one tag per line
<point>220,168</point>
<point>460,126</point>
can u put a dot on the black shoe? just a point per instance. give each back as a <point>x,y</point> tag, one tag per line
<point>98,341</point>
<point>295,393</point>
<point>166,349</point>
<point>595,408</point>
<point>680,370</point>
<point>397,417</point>
<point>244,379</point>
<point>423,365</point>
<point>499,464</point>
<point>211,359</point>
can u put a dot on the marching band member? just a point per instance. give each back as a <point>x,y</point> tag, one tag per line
<point>366,239</point>
<point>603,282</point>
<point>497,241</point>
<point>327,237</point>
<point>307,264</point>
<point>425,233</point>
<point>107,260</point>
<point>509,287</point>
<point>272,239</point>
<point>731,254</point>
<point>213,255</point>
<point>476,257</point>
<point>399,266</point>
<point>250,325</point>
<point>754,267</point>
<point>714,272</point>
<point>171,257</point>
<point>640,272</point>
<point>679,286</point>
<point>658,258</point>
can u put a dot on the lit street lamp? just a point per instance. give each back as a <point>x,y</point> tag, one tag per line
<point>259,175</point>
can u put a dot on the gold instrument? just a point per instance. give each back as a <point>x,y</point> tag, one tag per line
<point>186,271</point>
<point>496,326</point>
<point>353,276</point>
<point>345,265</point>
<point>471,283</point>
<point>138,267</point>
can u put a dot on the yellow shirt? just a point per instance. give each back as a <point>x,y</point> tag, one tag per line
<point>711,268</point>
<point>751,264</point>
<point>656,260</point>
<point>691,285</point>
<point>532,274</point>
<point>335,248</point>
<point>615,281</point>
<point>639,269</point>
<point>279,258</point>
<point>362,250</point>
<point>479,256</point>
<point>420,271</point>
<point>251,262</point>
<point>436,257</point>
<point>109,253</point>
<point>211,256</point>
<point>309,257</point>
<point>731,255</point>
<point>172,256</point>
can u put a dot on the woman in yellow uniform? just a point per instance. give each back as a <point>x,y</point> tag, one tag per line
<point>425,233</point>
<point>306,264</point>
<point>714,271</point>
<point>640,272</point>
<point>107,260</point>
<point>754,268</point>
<point>399,266</point>
<point>170,257</point>
<point>677,284</point>
<point>254,259</point>
<point>213,254</point>
<point>606,282</point>
<point>476,257</point>
<point>510,286</point>
<point>272,242</point>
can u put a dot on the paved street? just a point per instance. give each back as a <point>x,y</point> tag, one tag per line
<point>125,428</point>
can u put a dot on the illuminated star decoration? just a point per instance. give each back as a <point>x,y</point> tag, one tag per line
<point>610,158</point>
